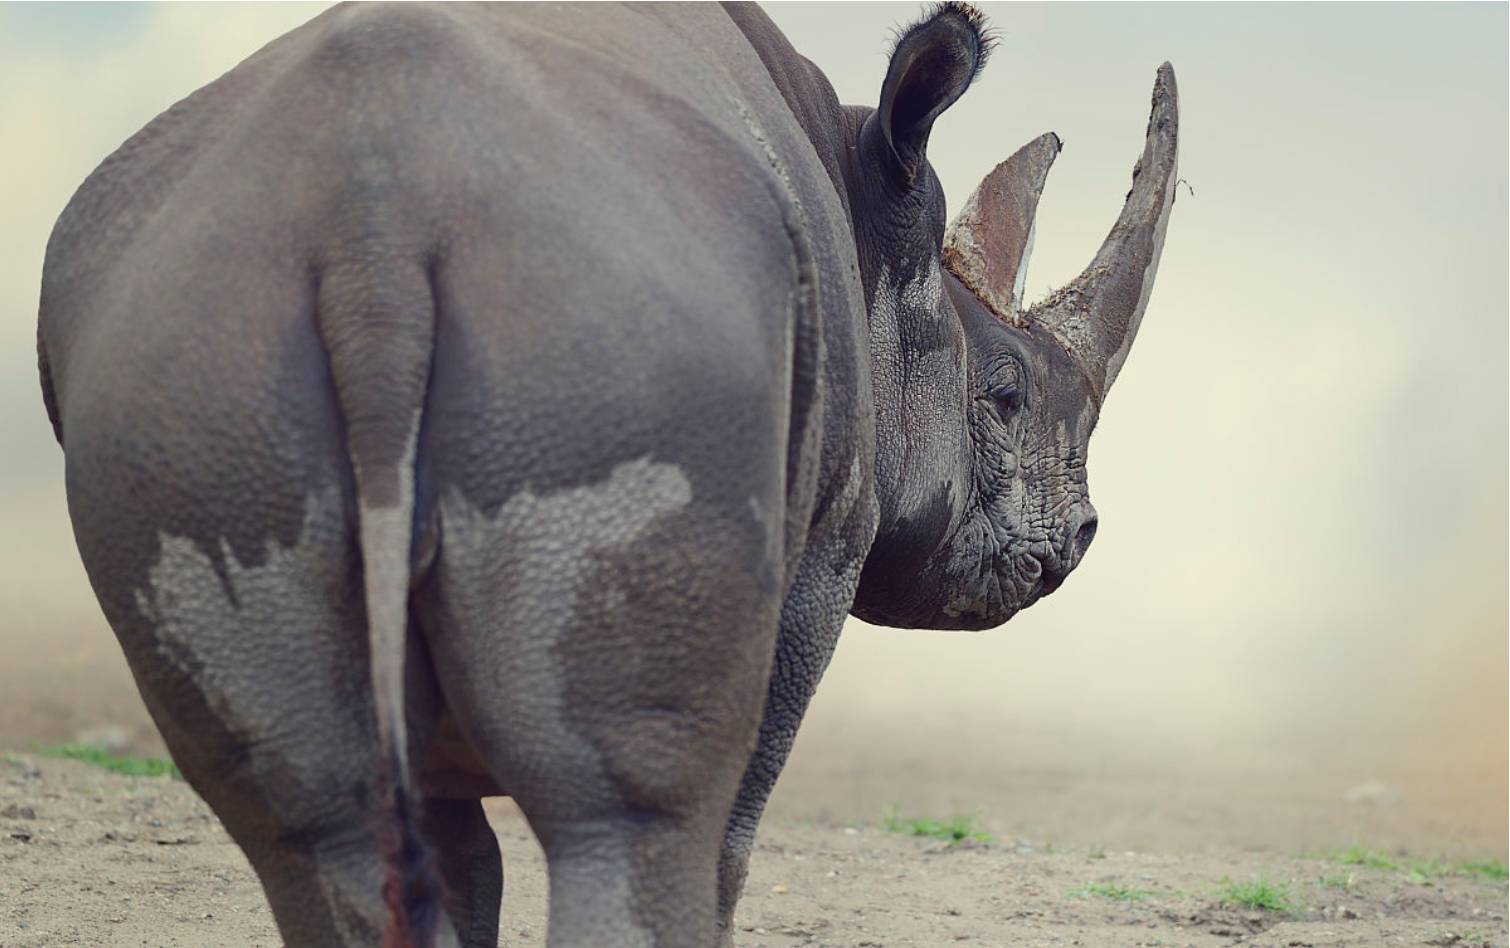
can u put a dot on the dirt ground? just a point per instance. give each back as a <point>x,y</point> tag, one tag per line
<point>1115,827</point>
<point>91,858</point>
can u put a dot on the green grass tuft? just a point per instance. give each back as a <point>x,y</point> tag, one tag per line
<point>1260,893</point>
<point>958,829</point>
<point>1109,890</point>
<point>1369,858</point>
<point>126,766</point>
<point>1490,870</point>
<point>1420,871</point>
<point>1347,882</point>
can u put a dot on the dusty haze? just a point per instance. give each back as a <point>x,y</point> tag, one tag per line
<point>1291,629</point>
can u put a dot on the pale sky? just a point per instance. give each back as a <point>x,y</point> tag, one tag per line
<point>1301,472</point>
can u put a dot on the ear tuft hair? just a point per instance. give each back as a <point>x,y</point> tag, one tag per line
<point>986,38</point>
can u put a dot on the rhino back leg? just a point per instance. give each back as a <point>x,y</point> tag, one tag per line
<point>215,520</point>
<point>603,647</point>
<point>471,865</point>
<point>601,610</point>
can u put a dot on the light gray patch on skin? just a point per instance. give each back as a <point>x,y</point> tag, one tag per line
<point>188,601</point>
<point>548,539</point>
<point>885,348</point>
<point>196,610</point>
<point>884,307</point>
<point>924,295</point>
<point>920,297</point>
<point>539,548</point>
<point>935,378</point>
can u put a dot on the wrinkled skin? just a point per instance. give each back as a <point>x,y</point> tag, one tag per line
<point>998,432</point>
<point>983,415</point>
<point>1020,519</point>
<point>473,400</point>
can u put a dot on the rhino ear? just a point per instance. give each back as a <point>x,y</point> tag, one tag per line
<point>988,244</point>
<point>1098,313</point>
<point>932,64</point>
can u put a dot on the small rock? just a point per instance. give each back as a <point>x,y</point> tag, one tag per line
<point>778,889</point>
<point>14,812</point>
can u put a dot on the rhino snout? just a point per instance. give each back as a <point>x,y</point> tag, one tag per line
<point>1056,568</point>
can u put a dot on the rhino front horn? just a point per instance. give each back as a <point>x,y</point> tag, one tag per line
<point>1097,315</point>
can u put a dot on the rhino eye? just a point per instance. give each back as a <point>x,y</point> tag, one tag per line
<point>1006,388</point>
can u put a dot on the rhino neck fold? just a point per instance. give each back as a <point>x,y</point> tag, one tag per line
<point>917,355</point>
<point>923,450</point>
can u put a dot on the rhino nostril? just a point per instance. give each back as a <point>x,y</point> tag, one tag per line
<point>1082,541</point>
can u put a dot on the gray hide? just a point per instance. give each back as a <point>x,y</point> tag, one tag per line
<point>462,401</point>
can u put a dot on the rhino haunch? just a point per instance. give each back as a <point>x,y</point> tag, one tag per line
<point>460,401</point>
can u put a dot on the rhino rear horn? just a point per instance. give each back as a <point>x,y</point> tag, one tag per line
<point>1097,314</point>
<point>988,244</point>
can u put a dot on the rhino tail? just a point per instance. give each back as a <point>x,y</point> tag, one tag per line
<point>412,888</point>
<point>377,323</point>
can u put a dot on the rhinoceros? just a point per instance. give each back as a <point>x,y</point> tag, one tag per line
<point>469,401</point>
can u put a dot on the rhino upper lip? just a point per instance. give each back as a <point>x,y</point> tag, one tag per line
<point>1041,578</point>
<point>1049,578</point>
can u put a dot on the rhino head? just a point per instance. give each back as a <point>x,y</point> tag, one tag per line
<point>984,409</point>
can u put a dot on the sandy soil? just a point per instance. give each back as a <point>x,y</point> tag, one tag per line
<point>1078,786</point>
<point>91,858</point>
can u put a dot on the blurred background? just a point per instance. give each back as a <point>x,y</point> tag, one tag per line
<point>1291,632</point>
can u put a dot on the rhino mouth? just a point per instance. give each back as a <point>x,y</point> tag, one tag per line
<point>1039,575</point>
